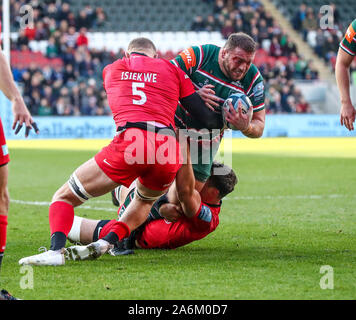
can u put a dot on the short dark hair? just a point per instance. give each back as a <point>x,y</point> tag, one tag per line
<point>241,40</point>
<point>225,183</point>
<point>141,44</point>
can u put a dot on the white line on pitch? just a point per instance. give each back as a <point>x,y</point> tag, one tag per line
<point>308,197</point>
<point>46,204</point>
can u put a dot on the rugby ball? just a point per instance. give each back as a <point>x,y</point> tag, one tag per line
<point>246,104</point>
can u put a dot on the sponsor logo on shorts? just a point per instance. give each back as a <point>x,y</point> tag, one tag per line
<point>105,161</point>
<point>167,184</point>
<point>5,150</point>
<point>162,149</point>
<point>99,230</point>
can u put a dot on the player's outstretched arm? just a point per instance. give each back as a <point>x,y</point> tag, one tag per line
<point>185,183</point>
<point>196,106</point>
<point>207,93</point>
<point>19,109</point>
<point>342,74</point>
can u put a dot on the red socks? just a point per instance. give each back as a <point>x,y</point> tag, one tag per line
<point>61,216</point>
<point>118,231</point>
<point>3,229</point>
<point>121,229</point>
<point>106,229</point>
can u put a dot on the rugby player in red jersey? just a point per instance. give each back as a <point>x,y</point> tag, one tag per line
<point>143,92</point>
<point>197,214</point>
<point>21,116</point>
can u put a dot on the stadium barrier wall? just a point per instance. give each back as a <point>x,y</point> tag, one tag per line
<point>103,127</point>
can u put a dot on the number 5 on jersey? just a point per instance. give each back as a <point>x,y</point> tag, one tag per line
<point>136,86</point>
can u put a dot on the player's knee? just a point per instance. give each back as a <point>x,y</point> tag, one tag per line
<point>63,195</point>
<point>77,189</point>
<point>67,194</point>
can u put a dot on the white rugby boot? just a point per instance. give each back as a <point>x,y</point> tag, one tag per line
<point>47,258</point>
<point>92,251</point>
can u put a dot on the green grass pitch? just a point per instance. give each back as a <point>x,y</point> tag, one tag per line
<point>290,215</point>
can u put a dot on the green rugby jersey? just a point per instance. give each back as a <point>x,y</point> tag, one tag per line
<point>154,214</point>
<point>348,43</point>
<point>127,201</point>
<point>201,64</point>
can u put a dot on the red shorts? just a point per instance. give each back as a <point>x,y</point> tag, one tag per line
<point>4,152</point>
<point>151,157</point>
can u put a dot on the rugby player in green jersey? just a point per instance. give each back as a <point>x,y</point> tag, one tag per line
<point>216,74</point>
<point>346,54</point>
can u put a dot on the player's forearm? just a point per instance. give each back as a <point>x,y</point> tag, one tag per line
<point>7,84</point>
<point>190,203</point>
<point>195,105</point>
<point>185,180</point>
<point>188,197</point>
<point>255,129</point>
<point>342,74</point>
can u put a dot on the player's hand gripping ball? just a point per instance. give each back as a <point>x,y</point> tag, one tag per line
<point>238,100</point>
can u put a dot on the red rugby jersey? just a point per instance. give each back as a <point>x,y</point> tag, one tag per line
<point>163,234</point>
<point>140,88</point>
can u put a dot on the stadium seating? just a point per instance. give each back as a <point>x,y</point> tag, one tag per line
<point>323,40</point>
<point>146,15</point>
<point>22,59</point>
<point>167,22</point>
<point>165,41</point>
<point>346,8</point>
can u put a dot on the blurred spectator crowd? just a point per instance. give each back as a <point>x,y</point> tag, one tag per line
<point>250,16</point>
<point>325,41</point>
<point>74,87</point>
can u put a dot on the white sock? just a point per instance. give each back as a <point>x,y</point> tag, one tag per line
<point>74,233</point>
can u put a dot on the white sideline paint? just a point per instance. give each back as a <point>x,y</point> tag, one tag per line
<point>40,203</point>
<point>310,196</point>
<point>305,197</point>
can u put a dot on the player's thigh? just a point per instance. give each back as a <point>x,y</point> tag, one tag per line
<point>148,192</point>
<point>160,175</point>
<point>4,174</point>
<point>89,179</point>
<point>93,179</point>
<point>4,160</point>
<point>202,171</point>
<point>4,193</point>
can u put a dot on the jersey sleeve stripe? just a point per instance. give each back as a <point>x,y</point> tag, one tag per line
<point>342,46</point>
<point>259,107</point>
<point>196,86</point>
<point>201,56</point>
<point>175,63</point>
<point>253,81</point>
